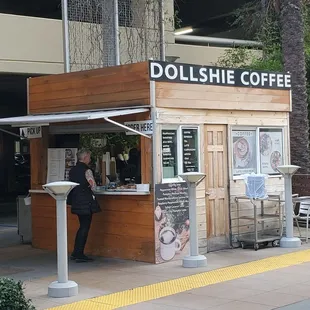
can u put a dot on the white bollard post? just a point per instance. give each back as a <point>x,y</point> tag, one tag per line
<point>194,260</point>
<point>289,241</point>
<point>62,287</point>
<point>194,250</point>
<point>62,255</point>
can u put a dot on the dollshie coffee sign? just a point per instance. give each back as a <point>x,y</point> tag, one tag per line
<point>184,73</point>
<point>171,217</point>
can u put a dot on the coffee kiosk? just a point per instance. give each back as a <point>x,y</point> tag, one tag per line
<point>181,118</point>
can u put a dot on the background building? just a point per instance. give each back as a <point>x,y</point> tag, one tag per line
<point>32,44</point>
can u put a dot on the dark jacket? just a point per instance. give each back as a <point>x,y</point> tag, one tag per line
<point>81,197</point>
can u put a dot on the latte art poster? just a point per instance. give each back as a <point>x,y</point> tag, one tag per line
<point>271,150</point>
<point>244,156</point>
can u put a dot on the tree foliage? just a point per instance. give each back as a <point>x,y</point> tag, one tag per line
<point>115,141</point>
<point>261,22</point>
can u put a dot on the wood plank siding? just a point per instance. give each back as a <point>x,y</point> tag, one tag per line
<point>111,87</point>
<point>190,96</point>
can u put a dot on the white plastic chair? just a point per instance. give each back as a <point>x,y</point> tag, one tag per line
<point>301,209</point>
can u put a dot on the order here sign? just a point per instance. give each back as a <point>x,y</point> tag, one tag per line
<point>31,132</point>
<point>145,127</point>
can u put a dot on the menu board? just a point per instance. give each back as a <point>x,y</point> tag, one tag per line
<point>60,161</point>
<point>171,221</point>
<point>169,153</point>
<point>244,152</point>
<point>271,150</point>
<point>190,150</point>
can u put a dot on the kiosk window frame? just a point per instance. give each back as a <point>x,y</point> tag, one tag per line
<point>180,151</point>
<point>258,157</point>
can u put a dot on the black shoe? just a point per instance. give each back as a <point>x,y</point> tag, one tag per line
<point>83,259</point>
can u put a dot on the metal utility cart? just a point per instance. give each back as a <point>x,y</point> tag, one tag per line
<point>264,236</point>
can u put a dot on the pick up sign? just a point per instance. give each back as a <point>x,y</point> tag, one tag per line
<point>145,127</point>
<point>31,132</point>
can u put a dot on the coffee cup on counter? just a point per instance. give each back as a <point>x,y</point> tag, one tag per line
<point>100,188</point>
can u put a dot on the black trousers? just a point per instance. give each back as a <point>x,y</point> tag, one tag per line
<point>82,234</point>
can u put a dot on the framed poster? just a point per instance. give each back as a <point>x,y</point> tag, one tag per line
<point>59,163</point>
<point>244,152</point>
<point>271,150</point>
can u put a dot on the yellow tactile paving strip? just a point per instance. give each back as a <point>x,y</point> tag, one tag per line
<point>171,287</point>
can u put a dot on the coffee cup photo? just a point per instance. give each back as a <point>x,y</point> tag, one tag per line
<point>169,244</point>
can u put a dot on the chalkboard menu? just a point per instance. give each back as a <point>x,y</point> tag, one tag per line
<point>173,198</point>
<point>169,153</point>
<point>171,221</point>
<point>190,150</point>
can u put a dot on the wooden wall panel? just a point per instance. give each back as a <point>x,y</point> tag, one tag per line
<point>146,161</point>
<point>121,86</point>
<point>124,229</point>
<point>38,151</point>
<point>200,117</point>
<point>242,118</point>
<point>190,96</point>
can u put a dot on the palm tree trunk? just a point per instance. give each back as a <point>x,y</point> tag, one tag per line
<point>292,32</point>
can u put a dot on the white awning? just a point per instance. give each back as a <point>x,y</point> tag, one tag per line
<point>47,119</point>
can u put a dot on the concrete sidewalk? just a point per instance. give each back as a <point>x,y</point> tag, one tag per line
<point>257,283</point>
<point>104,276</point>
<point>271,290</point>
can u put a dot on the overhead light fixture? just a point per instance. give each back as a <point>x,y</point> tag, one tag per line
<point>185,30</point>
<point>172,58</point>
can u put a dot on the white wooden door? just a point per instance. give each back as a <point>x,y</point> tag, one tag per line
<point>217,202</point>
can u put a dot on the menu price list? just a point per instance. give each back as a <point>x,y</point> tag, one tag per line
<point>190,153</point>
<point>173,198</point>
<point>169,148</point>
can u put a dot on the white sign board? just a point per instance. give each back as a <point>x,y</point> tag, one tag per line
<point>31,132</point>
<point>145,127</point>
<point>60,162</point>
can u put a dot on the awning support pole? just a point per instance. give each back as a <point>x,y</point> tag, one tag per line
<point>126,127</point>
<point>12,133</point>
